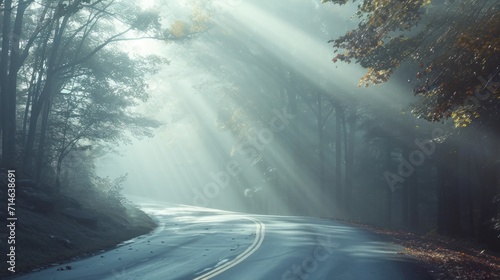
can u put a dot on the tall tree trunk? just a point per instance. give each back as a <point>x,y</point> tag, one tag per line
<point>8,151</point>
<point>47,91</point>
<point>60,159</point>
<point>388,208</point>
<point>413,213</point>
<point>349,160</point>
<point>35,83</point>
<point>9,86</point>
<point>41,143</point>
<point>347,191</point>
<point>321,141</point>
<point>388,200</point>
<point>405,213</point>
<point>448,191</point>
<point>467,184</point>
<point>293,148</point>
<point>338,155</point>
<point>410,198</point>
<point>35,113</point>
<point>10,128</point>
<point>489,210</point>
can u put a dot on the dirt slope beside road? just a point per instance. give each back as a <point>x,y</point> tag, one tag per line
<point>53,228</point>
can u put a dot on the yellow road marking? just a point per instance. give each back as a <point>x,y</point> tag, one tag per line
<point>259,237</point>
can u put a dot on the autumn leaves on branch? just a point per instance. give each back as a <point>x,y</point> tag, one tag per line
<point>453,47</point>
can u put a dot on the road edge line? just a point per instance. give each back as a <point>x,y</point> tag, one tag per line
<point>259,238</point>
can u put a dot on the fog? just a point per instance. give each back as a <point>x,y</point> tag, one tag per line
<point>179,164</point>
<point>245,66</point>
<point>200,128</point>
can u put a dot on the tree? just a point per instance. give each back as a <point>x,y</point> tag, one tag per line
<point>92,107</point>
<point>453,51</point>
<point>74,36</point>
<point>452,48</point>
<point>10,60</point>
<point>66,81</point>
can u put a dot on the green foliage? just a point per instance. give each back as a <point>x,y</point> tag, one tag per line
<point>147,20</point>
<point>77,87</point>
<point>110,190</point>
<point>81,182</point>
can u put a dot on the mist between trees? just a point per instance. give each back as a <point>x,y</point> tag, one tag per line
<point>251,149</point>
<point>416,147</point>
<point>418,152</point>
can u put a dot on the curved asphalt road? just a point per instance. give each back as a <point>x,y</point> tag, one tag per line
<point>199,243</point>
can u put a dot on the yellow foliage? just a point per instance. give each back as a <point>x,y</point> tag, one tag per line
<point>178,28</point>
<point>375,77</point>
<point>197,22</point>
<point>200,19</point>
<point>461,118</point>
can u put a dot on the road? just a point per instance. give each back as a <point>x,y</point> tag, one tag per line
<point>200,243</point>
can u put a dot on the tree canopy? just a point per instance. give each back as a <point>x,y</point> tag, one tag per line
<point>452,48</point>
<point>68,83</point>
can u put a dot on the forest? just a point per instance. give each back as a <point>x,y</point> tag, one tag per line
<point>393,121</point>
